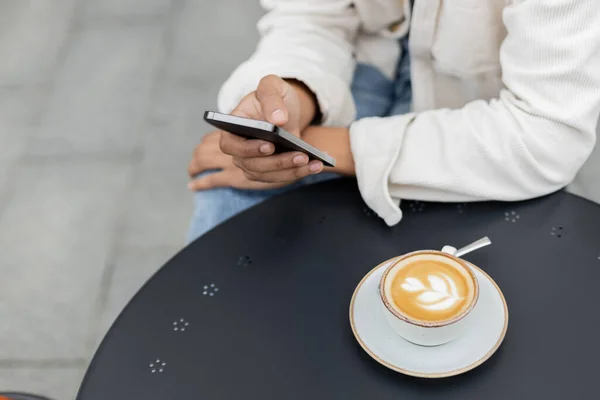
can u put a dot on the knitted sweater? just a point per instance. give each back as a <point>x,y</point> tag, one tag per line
<point>506,93</point>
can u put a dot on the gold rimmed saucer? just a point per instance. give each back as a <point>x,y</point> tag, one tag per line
<point>478,344</point>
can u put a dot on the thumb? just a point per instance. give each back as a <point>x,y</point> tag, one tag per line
<point>211,181</point>
<point>270,93</point>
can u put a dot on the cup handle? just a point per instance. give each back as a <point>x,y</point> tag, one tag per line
<point>449,250</point>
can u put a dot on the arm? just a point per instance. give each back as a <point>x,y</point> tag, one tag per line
<point>528,142</point>
<point>336,143</point>
<point>309,44</point>
<point>306,40</point>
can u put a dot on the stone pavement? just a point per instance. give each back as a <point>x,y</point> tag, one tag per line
<point>101,103</point>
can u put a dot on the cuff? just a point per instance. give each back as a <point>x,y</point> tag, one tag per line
<point>375,144</point>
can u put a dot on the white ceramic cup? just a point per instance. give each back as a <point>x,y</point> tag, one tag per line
<point>428,333</point>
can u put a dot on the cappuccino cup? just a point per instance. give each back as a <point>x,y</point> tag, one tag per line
<point>428,296</point>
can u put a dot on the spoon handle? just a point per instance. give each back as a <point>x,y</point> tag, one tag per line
<point>473,246</point>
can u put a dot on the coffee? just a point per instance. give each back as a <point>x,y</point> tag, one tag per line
<point>430,287</point>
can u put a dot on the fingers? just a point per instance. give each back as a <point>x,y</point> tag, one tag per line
<point>272,163</point>
<point>286,175</point>
<point>234,177</point>
<point>211,181</point>
<point>207,155</point>
<point>216,161</point>
<point>270,93</point>
<point>231,177</point>
<point>239,147</point>
<point>211,137</point>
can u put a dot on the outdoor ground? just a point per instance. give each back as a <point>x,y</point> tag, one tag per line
<point>101,104</point>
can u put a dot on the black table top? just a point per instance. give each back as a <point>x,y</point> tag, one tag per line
<point>258,307</point>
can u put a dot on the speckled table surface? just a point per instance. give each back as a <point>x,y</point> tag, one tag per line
<point>258,307</point>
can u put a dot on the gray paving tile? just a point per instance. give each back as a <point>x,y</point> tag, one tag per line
<point>58,384</point>
<point>160,204</point>
<point>19,111</point>
<point>206,46</point>
<point>133,267</point>
<point>55,235</point>
<point>118,8</point>
<point>159,209</point>
<point>183,104</point>
<point>6,169</point>
<point>13,140</point>
<point>101,95</point>
<point>21,105</point>
<point>32,33</point>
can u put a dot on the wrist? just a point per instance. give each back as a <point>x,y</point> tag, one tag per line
<point>336,143</point>
<point>309,106</point>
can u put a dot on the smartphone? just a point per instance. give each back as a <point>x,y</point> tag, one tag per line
<point>254,129</point>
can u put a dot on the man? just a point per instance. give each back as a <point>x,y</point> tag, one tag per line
<point>461,100</point>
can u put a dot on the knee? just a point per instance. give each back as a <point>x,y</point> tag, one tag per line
<point>213,202</point>
<point>211,207</point>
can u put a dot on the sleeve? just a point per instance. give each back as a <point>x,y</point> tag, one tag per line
<point>308,40</point>
<point>528,142</point>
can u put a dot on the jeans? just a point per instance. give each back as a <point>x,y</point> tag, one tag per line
<point>374,95</point>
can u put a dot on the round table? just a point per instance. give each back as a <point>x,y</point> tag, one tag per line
<point>258,307</point>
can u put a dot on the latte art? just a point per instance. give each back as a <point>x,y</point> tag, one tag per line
<point>440,294</point>
<point>429,288</point>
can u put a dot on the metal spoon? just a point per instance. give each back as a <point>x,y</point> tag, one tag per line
<point>485,241</point>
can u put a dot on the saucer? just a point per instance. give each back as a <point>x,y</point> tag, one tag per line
<point>376,337</point>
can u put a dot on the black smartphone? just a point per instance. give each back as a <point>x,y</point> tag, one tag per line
<point>254,129</point>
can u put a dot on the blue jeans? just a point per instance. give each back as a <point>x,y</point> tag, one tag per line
<point>374,95</point>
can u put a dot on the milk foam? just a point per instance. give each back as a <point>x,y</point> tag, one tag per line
<point>429,287</point>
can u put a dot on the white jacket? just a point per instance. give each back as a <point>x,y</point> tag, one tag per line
<point>506,93</point>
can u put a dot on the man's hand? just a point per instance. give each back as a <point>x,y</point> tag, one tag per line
<point>208,156</point>
<point>289,105</point>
